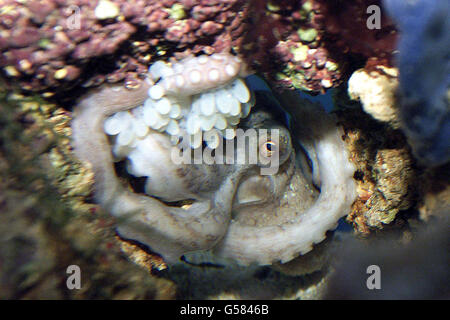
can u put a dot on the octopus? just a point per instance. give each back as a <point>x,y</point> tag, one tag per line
<point>229,209</point>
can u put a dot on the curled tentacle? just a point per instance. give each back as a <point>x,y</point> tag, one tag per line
<point>268,244</point>
<point>171,231</point>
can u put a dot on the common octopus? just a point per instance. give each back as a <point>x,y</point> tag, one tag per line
<point>231,209</point>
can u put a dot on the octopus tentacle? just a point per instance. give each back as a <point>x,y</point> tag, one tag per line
<point>207,223</point>
<point>169,230</point>
<point>196,95</point>
<point>195,75</point>
<point>268,244</point>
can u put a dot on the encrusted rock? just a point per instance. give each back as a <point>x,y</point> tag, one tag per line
<point>386,174</point>
<point>46,223</point>
<point>376,91</point>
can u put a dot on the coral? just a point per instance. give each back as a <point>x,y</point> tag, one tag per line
<point>394,177</point>
<point>345,23</point>
<point>46,223</point>
<point>287,44</point>
<point>376,91</point>
<point>308,44</point>
<point>424,66</point>
<point>386,174</point>
<point>51,46</point>
<point>106,9</point>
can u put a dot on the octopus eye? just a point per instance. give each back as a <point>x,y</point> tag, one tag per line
<point>268,148</point>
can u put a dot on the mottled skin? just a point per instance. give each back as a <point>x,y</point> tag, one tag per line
<point>233,209</point>
<point>282,239</point>
<point>211,71</point>
<point>168,230</point>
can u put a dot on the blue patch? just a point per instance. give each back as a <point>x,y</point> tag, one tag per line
<point>424,65</point>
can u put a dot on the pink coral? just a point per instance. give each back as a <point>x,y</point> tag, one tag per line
<point>295,43</point>
<point>40,38</point>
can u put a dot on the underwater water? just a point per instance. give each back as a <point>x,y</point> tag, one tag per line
<point>224,149</point>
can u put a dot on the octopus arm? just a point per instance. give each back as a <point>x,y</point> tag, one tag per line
<point>266,245</point>
<point>172,231</point>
